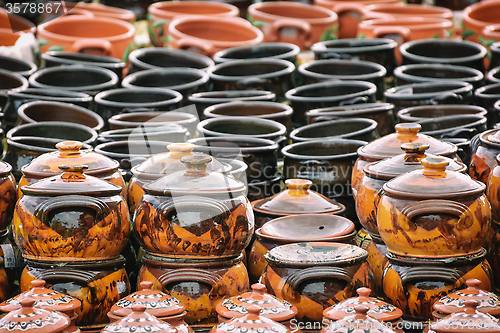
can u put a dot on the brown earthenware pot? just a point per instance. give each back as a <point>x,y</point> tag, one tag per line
<point>140,321</point>
<point>8,194</point>
<point>483,160</point>
<point>100,10</point>
<point>352,128</point>
<point>419,113</point>
<point>154,119</point>
<point>4,280</point>
<point>493,181</point>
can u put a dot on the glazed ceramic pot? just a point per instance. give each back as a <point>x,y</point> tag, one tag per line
<point>12,81</point>
<point>415,284</point>
<point>378,50</point>
<point>377,174</point>
<point>483,158</point>
<point>495,55</point>
<point>31,319</point>
<point>86,79</point>
<point>9,196</point>
<point>327,94</point>
<point>486,97</point>
<point>333,69</point>
<point>493,180</point>
<point>380,112</point>
<point>160,14</point>
<point>278,50</point>
<point>300,272</point>
<point>4,281</point>
<point>111,37</point>
<point>20,66</point>
<point>45,211</point>
<point>416,73</point>
<point>353,128</point>
<point>174,200</point>
<point>97,285</point>
<point>460,126</point>
<point>361,320</point>
<point>100,10</point>
<point>200,284</point>
<point>476,17</point>
<point>493,75</point>
<point>166,133</point>
<point>139,320</point>
<point>71,153</point>
<point>152,57</point>
<point>261,189</point>
<point>444,51</point>
<point>296,228</point>
<point>62,58</point>
<point>42,111</point>
<point>414,207</point>
<point>297,23</point>
<point>253,321</point>
<point>419,113</point>
<point>203,34</point>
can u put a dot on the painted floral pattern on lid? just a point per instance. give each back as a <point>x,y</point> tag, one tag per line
<point>252,322</point>
<point>139,321</point>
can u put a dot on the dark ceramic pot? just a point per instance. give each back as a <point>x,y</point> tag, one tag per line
<point>324,70</point>
<point>165,133</point>
<point>380,112</point>
<point>42,111</point>
<point>493,75</point>
<point>354,128</point>
<point>417,73</point>
<point>459,126</point>
<point>63,58</point>
<point>279,112</point>
<point>10,81</point>
<point>419,113</point>
<point>113,102</point>
<point>269,74</point>
<point>260,189</point>
<point>454,4</point>
<point>285,51</point>
<point>327,94</point>
<point>154,57</point>
<point>444,51</point>
<point>20,66</point>
<point>55,130</point>
<point>378,50</point>
<point>486,97</point>
<point>485,148</point>
<point>495,55</point>
<point>87,79</point>
<point>187,81</point>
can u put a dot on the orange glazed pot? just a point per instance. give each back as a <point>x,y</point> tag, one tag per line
<point>434,213</point>
<point>476,17</point>
<point>8,196</point>
<point>492,192</point>
<point>15,22</point>
<point>100,10</point>
<point>483,159</point>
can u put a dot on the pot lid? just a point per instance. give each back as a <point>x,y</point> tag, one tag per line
<point>298,199</point>
<point>358,322</point>
<point>455,302</point>
<point>467,321</point>
<point>31,319</point>
<point>5,169</point>
<point>390,145</point>
<point>170,162</point>
<point>69,153</point>
<point>195,179</point>
<point>251,322</point>
<point>271,306</point>
<point>139,321</point>
<point>72,180</point>
<point>316,254</point>
<point>395,166</point>
<point>378,309</point>
<point>433,182</point>
<point>47,299</point>
<point>157,303</point>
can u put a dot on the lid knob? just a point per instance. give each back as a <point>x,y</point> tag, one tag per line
<point>414,147</point>
<point>68,148</point>
<point>196,164</point>
<point>470,306</point>
<point>27,302</point>
<point>38,283</point>
<point>180,149</point>
<point>364,292</point>
<point>137,307</point>
<point>408,128</point>
<point>259,288</point>
<point>146,285</point>
<point>361,309</point>
<point>73,171</point>
<point>253,311</point>
<point>473,284</point>
<point>434,163</point>
<point>298,184</point>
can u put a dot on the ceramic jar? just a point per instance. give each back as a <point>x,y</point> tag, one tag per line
<point>400,10</point>
<point>312,276</point>
<point>493,181</point>
<point>253,321</point>
<point>296,229</point>
<point>22,67</point>
<point>360,320</point>
<point>483,160</point>
<point>139,321</point>
<point>140,118</point>
<point>200,284</point>
<point>225,221</point>
<point>98,285</point>
<point>12,81</point>
<point>297,23</point>
<point>4,281</point>
<point>162,306</point>
<point>8,195</point>
<point>82,217</point>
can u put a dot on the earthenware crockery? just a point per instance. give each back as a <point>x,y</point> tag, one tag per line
<point>380,112</point>
<point>20,66</point>
<point>416,73</point>
<point>9,198</point>
<point>279,50</point>
<point>16,22</point>
<point>485,150</point>
<point>476,17</point>
<point>293,269</point>
<point>327,94</point>
<point>418,113</point>
<point>360,320</point>
<point>353,128</point>
<point>454,5</point>
<point>261,189</point>
<point>54,130</point>
<point>11,81</point>
<point>486,97</point>
<point>270,74</point>
<point>493,75</point>
<point>253,321</point>
<point>458,126</point>
<point>492,180</point>
<point>42,111</point>
<point>162,132</point>
<point>401,10</point>
<point>100,10</point>
<point>139,320</point>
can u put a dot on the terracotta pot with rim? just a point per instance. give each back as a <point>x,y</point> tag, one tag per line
<point>478,16</point>
<point>399,9</point>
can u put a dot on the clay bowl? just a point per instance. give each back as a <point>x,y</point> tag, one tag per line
<point>101,10</point>
<point>353,128</point>
<point>20,66</point>
<point>486,97</point>
<point>419,113</point>
<point>458,126</point>
<point>7,37</point>
<point>495,55</point>
<point>278,50</point>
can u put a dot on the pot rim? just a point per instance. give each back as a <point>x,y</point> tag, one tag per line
<point>120,119</point>
<point>256,204</point>
<point>203,77</point>
<point>372,126</point>
<point>93,134</point>
<point>462,260</point>
<point>267,144</point>
<point>285,150</point>
<point>99,149</point>
<point>89,265</point>
<point>255,9</point>
<point>69,95</point>
<point>408,118</point>
<point>175,97</point>
<point>427,23</point>
<point>379,71</point>
<point>32,66</point>
<point>479,120</point>
<point>430,11</point>
<point>460,87</point>
<point>24,82</point>
<point>135,55</point>
<point>475,75</point>
<point>492,75</point>
<point>293,51</point>
<point>157,9</point>
<point>466,14</point>
<point>288,69</point>
<point>127,132</point>
<point>112,62</point>
<point>370,89</point>
<point>14,142</point>
<point>285,110</point>
<point>283,241</point>
<point>279,129</point>
<point>356,108</point>
<point>480,91</point>
<point>204,97</point>
<point>169,261</point>
<point>483,138</point>
<point>379,43</point>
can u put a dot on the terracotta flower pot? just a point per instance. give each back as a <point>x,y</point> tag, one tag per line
<point>15,22</point>
<point>100,10</point>
<point>400,10</point>
<point>476,17</point>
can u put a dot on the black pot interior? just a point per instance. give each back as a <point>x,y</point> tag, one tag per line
<point>58,130</point>
<point>137,97</point>
<point>246,110</point>
<point>249,69</point>
<point>164,80</point>
<point>440,50</point>
<point>439,73</point>
<point>73,78</point>
<point>53,112</point>
<point>13,65</point>
<point>325,91</point>
<point>332,129</point>
<point>170,60</point>
<point>341,69</point>
<point>257,52</point>
<point>8,82</point>
<point>241,128</point>
<point>318,149</point>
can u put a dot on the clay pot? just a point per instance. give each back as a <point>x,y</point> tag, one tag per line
<point>495,55</point>
<point>476,17</point>
<point>107,36</point>
<point>100,10</point>
<point>341,267</point>
<point>354,128</point>
<point>486,97</point>
<point>54,130</point>
<point>90,80</point>
<point>278,50</point>
<point>15,22</point>
<point>11,81</point>
<point>42,111</point>
<point>139,320</point>
<point>493,75</point>
<point>199,283</point>
<point>460,126</point>
<point>295,228</point>
<point>167,133</point>
<point>152,57</point>
<point>444,51</point>
<point>361,320</point>
<point>204,33</point>
<point>59,58</point>
<point>408,201</point>
<point>98,285</point>
<point>253,321</point>
<point>327,94</point>
<point>483,157</point>
<point>400,10</point>
<point>7,36</point>
<point>160,14</point>
<point>20,66</point>
<point>492,181</point>
<point>417,73</point>
<point>455,5</point>
<point>380,112</point>
<point>310,24</point>
<point>9,196</point>
<point>261,189</point>
<point>419,113</point>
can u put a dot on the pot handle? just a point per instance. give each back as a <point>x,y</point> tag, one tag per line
<point>355,100</point>
<point>300,25</point>
<point>336,55</point>
<point>405,33</point>
<point>446,98</point>
<point>62,273</point>
<point>464,214</point>
<point>412,273</point>
<point>206,47</point>
<point>474,143</point>
<point>254,83</point>
<point>103,44</point>
<point>340,8</point>
<point>194,274</point>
